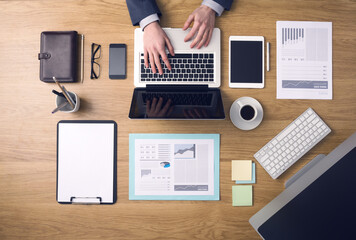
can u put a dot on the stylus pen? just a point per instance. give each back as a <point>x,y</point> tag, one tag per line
<point>82,64</point>
<point>268,49</point>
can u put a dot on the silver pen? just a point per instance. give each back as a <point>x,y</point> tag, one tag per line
<point>59,107</point>
<point>268,49</point>
<point>69,96</point>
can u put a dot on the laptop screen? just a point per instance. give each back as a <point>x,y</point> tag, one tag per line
<point>176,103</point>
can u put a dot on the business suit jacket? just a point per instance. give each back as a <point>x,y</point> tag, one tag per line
<point>139,9</point>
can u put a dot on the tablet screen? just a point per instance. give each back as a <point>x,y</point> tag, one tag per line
<point>246,62</point>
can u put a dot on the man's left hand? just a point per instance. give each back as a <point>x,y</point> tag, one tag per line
<point>204,22</point>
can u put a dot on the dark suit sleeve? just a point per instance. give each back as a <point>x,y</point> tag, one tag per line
<point>139,9</point>
<point>225,3</point>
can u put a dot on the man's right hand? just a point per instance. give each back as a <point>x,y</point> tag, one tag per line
<point>155,41</point>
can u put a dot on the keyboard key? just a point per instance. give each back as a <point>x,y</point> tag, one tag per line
<point>286,132</point>
<point>263,158</point>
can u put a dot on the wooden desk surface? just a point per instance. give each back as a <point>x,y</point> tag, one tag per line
<point>28,207</point>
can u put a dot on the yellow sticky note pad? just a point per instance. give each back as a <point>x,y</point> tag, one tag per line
<point>241,170</point>
<point>242,195</point>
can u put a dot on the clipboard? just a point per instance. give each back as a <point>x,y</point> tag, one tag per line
<point>86,162</point>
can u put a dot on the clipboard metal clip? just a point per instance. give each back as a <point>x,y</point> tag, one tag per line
<point>85,200</point>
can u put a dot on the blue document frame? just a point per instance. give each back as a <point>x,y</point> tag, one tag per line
<point>170,138</point>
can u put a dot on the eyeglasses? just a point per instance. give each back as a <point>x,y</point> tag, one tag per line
<point>95,54</point>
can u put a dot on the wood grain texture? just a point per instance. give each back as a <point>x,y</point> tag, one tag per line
<point>28,207</point>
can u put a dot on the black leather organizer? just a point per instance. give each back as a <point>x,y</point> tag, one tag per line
<point>59,56</point>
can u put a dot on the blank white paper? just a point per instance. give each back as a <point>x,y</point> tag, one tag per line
<point>85,161</point>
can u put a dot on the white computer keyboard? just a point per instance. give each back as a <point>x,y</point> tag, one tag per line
<point>292,143</point>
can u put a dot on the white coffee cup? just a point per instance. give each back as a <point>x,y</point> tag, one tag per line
<point>246,113</point>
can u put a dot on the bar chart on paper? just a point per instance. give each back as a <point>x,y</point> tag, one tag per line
<point>304,61</point>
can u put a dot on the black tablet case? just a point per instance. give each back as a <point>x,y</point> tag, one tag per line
<point>59,56</point>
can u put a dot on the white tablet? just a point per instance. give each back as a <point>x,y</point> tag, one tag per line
<point>246,62</point>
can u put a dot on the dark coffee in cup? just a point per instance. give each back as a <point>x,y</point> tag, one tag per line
<point>247,112</point>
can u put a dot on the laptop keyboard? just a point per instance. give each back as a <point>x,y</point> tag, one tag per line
<point>186,67</point>
<point>201,99</point>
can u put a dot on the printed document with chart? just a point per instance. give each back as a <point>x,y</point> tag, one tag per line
<point>304,60</point>
<point>174,167</point>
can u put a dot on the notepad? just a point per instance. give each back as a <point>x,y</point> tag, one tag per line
<point>242,195</point>
<point>253,180</point>
<point>241,170</point>
<point>86,162</point>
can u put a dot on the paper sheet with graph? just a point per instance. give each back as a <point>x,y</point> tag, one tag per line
<point>304,60</point>
<point>174,167</point>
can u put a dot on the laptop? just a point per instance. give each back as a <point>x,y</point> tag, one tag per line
<point>189,91</point>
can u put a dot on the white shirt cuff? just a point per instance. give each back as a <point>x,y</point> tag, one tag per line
<point>149,19</point>
<point>214,5</point>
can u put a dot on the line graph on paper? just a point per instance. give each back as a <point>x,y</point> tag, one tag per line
<point>305,84</point>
